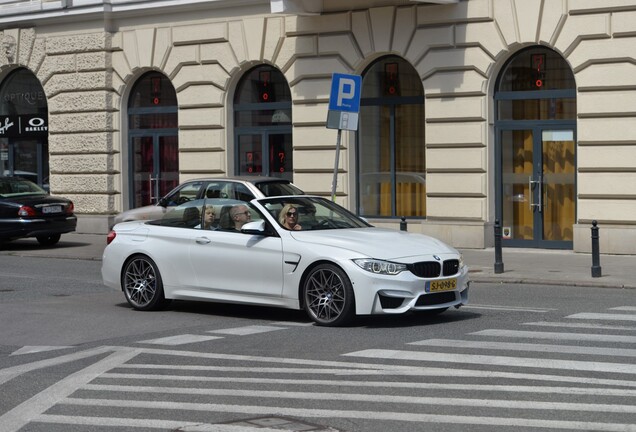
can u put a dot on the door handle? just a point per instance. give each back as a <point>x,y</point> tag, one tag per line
<point>203,240</point>
<point>152,182</point>
<point>531,184</point>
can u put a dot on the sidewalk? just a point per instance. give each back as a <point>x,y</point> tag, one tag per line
<point>527,266</point>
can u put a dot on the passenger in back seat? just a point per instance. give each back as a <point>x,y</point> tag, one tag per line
<point>208,219</point>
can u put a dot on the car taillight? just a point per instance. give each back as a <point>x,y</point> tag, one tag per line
<point>110,237</point>
<point>26,211</point>
<point>70,208</point>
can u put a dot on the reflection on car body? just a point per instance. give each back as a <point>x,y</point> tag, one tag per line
<point>240,188</point>
<point>337,266</point>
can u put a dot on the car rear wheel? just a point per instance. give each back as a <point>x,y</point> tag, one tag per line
<point>49,240</point>
<point>142,284</point>
<point>328,296</point>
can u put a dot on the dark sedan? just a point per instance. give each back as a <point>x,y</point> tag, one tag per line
<point>27,210</point>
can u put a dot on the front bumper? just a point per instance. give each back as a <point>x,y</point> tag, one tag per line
<point>405,292</point>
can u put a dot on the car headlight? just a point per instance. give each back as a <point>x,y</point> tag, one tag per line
<point>461,262</point>
<point>379,266</point>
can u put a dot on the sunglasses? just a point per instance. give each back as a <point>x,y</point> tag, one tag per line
<point>292,214</point>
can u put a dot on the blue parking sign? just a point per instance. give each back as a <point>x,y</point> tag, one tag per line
<point>345,93</point>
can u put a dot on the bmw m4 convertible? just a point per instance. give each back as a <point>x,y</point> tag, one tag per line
<point>298,252</point>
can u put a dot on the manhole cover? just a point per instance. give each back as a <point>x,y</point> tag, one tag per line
<point>282,423</point>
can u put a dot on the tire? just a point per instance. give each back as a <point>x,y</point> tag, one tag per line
<point>328,296</point>
<point>142,284</point>
<point>49,240</point>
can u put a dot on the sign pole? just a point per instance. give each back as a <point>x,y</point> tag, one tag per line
<point>344,106</point>
<point>335,168</point>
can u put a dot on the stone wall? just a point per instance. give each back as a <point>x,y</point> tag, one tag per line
<point>457,49</point>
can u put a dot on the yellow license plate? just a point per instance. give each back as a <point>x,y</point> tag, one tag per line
<point>443,285</point>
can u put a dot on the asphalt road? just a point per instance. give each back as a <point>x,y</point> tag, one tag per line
<point>75,357</point>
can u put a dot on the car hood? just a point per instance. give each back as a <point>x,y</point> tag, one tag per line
<point>378,243</point>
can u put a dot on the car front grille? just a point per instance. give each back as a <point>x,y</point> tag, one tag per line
<point>433,269</point>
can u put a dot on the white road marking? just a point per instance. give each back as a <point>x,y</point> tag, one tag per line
<point>367,415</point>
<point>593,391</point>
<point>247,330</point>
<point>603,316</point>
<point>293,323</point>
<point>624,308</point>
<point>15,371</point>
<point>183,426</point>
<point>569,349</point>
<point>579,325</point>
<point>180,339</point>
<point>507,308</point>
<point>497,361</point>
<point>18,417</point>
<point>29,349</point>
<point>556,336</point>
<point>366,369</point>
<point>374,398</point>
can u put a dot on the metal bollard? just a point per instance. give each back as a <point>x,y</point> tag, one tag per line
<point>596,258</point>
<point>403,224</point>
<point>499,265</point>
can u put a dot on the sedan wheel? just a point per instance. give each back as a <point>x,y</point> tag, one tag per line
<point>48,240</point>
<point>328,295</point>
<point>142,284</point>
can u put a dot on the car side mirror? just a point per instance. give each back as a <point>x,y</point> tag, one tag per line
<point>255,228</point>
<point>163,202</point>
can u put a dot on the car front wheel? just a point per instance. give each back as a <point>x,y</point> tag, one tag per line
<point>142,284</point>
<point>328,296</point>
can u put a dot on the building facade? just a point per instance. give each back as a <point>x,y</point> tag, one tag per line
<point>472,111</point>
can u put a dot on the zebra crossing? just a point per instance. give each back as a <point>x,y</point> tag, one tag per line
<point>577,373</point>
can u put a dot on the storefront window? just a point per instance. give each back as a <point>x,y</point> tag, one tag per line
<point>24,148</point>
<point>390,146</point>
<point>263,124</point>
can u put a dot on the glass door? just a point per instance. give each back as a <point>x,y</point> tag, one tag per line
<point>266,153</point>
<point>155,164</point>
<point>536,203</point>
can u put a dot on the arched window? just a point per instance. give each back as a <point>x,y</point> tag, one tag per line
<point>391,156</point>
<point>24,137</point>
<point>263,124</point>
<point>153,139</point>
<point>536,150</point>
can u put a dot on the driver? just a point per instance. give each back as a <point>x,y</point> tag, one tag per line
<point>288,217</point>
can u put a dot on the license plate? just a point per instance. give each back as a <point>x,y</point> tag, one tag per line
<point>52,209</point>
<point>443,285</point>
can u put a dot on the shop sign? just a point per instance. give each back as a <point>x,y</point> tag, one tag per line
<point>23,126</point>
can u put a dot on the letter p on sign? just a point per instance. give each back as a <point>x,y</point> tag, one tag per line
<point>345,93</point>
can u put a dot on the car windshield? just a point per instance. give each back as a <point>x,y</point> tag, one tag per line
<point>310,213</point>
<point>272,189</point>
<point>12,187</point>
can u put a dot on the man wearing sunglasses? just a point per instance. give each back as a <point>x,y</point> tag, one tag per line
<point>240,215</point>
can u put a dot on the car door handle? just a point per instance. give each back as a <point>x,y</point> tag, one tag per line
<point>203,240</point>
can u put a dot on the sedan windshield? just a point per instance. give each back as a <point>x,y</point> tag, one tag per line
<point>13,186</point>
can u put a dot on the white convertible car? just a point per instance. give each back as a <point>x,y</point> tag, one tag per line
<point>299,252</point>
